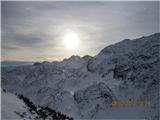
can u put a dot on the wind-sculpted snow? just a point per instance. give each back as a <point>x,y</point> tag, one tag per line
<point>84,87</point>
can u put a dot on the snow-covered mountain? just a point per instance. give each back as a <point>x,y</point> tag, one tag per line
<point>84,87</point>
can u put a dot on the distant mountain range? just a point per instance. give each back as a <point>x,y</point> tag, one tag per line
<point>15,63</point>
<point>85,87</point>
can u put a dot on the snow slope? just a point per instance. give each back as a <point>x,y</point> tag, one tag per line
<point>21,108</point>
<point>84,87</point>
<point>12,108</point>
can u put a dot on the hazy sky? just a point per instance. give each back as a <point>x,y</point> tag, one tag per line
<point>36,30</point>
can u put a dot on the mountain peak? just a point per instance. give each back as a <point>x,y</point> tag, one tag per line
<point>127,44</point>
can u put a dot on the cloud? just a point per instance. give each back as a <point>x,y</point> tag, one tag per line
<point>10,47</point>
<point>36,29</point>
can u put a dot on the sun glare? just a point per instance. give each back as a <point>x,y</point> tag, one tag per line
<point>71,40</point>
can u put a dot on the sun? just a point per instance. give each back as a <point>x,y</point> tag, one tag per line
<point>71,40</point>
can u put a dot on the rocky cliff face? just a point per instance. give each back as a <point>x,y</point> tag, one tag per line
<point>85,87</point>
<point>95,98</point>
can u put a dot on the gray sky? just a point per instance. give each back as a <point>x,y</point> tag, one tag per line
<point>35,30</point>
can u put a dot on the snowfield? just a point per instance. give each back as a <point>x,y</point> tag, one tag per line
<point>84,87</point>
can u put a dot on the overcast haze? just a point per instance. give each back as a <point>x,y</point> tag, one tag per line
<point>34,31</point>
